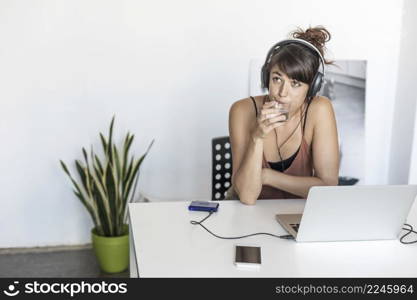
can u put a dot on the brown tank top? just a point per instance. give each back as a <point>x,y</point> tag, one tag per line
<point>300,166</point>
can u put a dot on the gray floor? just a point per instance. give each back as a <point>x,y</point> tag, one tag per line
<point>68,263</point>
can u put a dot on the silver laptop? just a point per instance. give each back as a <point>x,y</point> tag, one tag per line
<point>351,213</point>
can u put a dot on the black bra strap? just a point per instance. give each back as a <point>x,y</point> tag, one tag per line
<point>256,108</point>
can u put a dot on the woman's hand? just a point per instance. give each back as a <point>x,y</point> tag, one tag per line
<point>267,120</point>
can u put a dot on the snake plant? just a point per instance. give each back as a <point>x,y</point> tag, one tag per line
<point>106,186</point>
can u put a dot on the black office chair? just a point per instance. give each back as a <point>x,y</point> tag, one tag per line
<point>221,153</point>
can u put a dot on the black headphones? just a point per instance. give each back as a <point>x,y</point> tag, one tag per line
<point>318,79</point>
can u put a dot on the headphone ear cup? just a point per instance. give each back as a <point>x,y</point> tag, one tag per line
<point>264,78</point>
<point>315,85</point>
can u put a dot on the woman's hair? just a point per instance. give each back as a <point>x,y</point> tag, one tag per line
<point>298,61</point>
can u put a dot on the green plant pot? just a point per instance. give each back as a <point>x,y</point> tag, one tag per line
<point>112,252</point>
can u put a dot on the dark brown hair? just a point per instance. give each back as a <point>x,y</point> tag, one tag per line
<point>298,61</point>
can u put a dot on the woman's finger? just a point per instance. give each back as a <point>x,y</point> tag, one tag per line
<point>277,124</point>
<point>280,118</point>
<point>265,117</point>
<point>269,104</point>
<point>270,111</point>
<point>271,126</point>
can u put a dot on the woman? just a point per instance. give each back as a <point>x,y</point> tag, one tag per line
<point>277,156</point>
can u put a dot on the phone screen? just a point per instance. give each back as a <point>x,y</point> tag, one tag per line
<point>248,255</point>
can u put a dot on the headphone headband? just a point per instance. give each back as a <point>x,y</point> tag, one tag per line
<point>318,78</point>
<point>294,40</point>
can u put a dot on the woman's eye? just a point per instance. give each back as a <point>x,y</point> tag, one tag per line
<point>296,83</point>
<point>276,79</point>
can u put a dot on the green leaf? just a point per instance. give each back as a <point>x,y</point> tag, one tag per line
<point>85,156</point>
<point>125,151</point>
<point>94,190</point>
<point>75,184</point>
<point>101,198</point>
<point>78,191</point>
<point>111,193</point>
<point>117,174</point>
<point>109,145</point>
<point>103,142</point>
<point>131,178</point>
<point>82,174</point>
<point>98,164</point>
<point>128,172</point>
<point>117,199</point>
<point>132,173</point>
<point>103,213</point>
<point>63,165</point>
<point>117,161</point>
<point>123,214</point>
<point>88,207</point>
<point>97,178</point>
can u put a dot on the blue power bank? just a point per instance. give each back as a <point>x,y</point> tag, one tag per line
<point>203,206</point>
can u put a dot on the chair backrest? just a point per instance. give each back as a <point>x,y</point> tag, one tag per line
<point>221,154</point>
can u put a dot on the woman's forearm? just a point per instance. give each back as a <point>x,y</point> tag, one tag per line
<point>247,179</point>
<point>297,185</point>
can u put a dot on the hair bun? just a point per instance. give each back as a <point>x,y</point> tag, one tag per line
<point>317,36</point>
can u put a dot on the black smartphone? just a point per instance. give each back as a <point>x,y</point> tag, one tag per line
<point>248,256</point>
<point>204,206</point>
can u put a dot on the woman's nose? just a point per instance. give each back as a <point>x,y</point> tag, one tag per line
<point>283,90</point>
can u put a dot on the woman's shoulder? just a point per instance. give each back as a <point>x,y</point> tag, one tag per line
<point>320,107</point>
<point>246,106</point>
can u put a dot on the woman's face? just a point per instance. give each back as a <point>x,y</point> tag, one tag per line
<point>284,89</point>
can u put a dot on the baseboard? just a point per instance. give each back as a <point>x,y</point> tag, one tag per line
<point>45,249</point>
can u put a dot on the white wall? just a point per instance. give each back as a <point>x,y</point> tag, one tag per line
<point>405,106</point>
<point>169,70</point>
<point>412,179</point>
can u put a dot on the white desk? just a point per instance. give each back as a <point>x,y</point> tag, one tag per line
<point>163,243</point>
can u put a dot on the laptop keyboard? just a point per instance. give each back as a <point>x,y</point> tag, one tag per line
<point>295,227</point>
